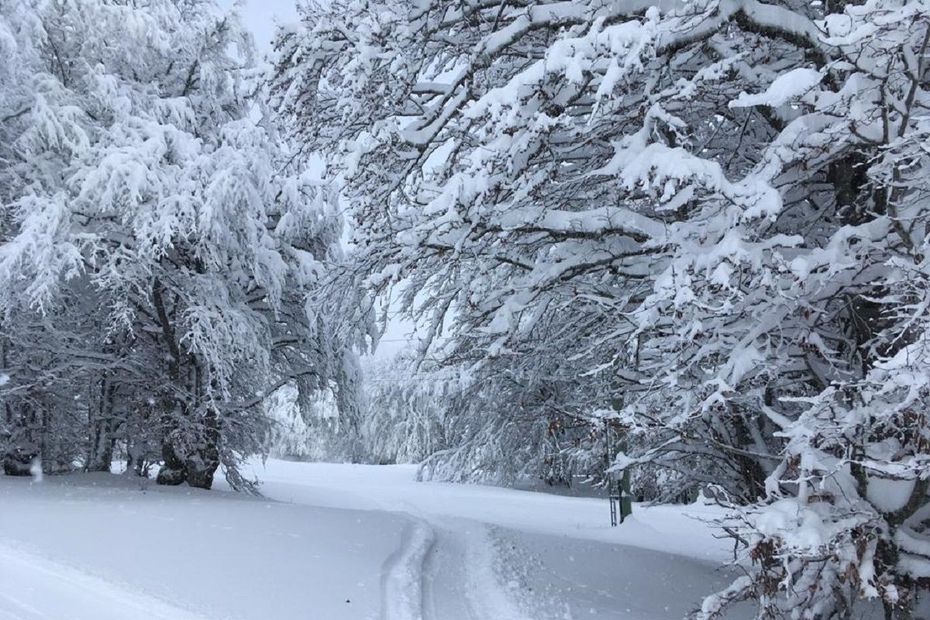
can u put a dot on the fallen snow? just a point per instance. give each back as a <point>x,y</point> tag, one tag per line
<point>36,587</point>
<point>334,542</point>
<point>671,529</point>
<point>219,555</point>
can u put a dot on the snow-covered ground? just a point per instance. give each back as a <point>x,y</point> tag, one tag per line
<point>333,542</point>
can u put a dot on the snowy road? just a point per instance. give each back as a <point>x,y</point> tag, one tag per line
<point>488,553</point>
<point>447,573</point>
<point>342,542</point>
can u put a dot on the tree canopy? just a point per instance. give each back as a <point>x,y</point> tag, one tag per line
<point>701,224</point>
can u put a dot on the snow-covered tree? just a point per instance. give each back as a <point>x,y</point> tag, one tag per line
<point>407,410</point>
<point>145,200</point>
<point>491,423</point>
<point>708,217</point>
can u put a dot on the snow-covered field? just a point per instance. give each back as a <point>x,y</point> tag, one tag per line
<point>333,542</point>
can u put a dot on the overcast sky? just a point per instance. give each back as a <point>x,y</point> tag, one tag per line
<point>261,16</point>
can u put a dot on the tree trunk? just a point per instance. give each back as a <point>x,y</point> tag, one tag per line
<point>205,459</point>
<point>173,472</point>
<point>190,449</point>
<point>21,449</point>
<point>100,453</point>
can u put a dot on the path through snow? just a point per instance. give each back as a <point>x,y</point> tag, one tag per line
<point>487,553</point>
<point>342,542</point>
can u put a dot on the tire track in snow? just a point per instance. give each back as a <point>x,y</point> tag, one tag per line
<point>488,595</point>
<point>444,582</point>
<point>446,568</point>
<point>403,574</point>
<point>446,571</point>
<point>464,576</point>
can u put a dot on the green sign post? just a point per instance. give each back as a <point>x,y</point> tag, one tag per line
<point>618,484</point>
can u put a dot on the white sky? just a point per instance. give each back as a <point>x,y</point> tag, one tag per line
<point>261,17</point>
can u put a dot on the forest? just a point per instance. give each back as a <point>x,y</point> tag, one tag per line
<point>682,244</point>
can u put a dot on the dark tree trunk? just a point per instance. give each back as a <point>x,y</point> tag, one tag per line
<point>190,449</point>
<point>18,462</point>
<point>173,471</point>
<point>203,464</point>
<point>21,449</point>
<point>100,453</point>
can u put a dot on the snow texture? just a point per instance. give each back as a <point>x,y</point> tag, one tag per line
<point>341,542</point>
